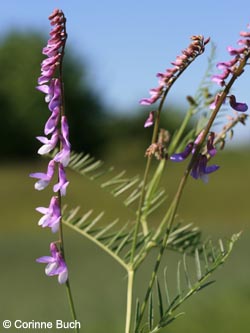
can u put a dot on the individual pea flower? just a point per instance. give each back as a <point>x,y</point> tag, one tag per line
<point>48,144</point>
<point>55,264</point>
<point>196,47</point>
<point>179,157</point>
<point>44,178</point>
<point>52,215</point>
<point>63,156</point>
<point>52,122</point>
<point>150,120</point>
<point>237,106</point>
<point>200,168</point>
<point>63,182</point>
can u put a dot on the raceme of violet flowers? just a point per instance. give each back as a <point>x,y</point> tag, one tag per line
<point>230,67</point>
<point>166,79</point>
<point>56,135</point>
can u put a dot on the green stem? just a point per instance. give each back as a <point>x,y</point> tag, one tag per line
<point>61,240</point>
<point>143,190</point>
<point>129,300</point>
<point>71,304</point>
<point>173,207</point>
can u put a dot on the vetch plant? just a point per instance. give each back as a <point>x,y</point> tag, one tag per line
<point>129,243</point>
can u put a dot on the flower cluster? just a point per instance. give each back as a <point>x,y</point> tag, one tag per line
<point>56,131</point>
<point>167,78</point>
<point>230,67</point>
<point>200,169</point>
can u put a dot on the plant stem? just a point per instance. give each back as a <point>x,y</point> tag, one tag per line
<point>162,248</point>
<point>129,300</point>
<point>145,178</point>
<point>61,240</point>
<point>71,304</point>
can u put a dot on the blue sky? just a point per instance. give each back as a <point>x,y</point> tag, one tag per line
<point>125,43</point>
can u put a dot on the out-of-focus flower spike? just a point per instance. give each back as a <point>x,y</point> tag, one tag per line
<point>195,48</point>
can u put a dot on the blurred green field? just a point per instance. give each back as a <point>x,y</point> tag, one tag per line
<point>220,208</point>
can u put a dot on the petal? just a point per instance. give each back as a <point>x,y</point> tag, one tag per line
<point>53,250</point>
<point>242,107</point>
<point>150,120</point>
<point>50,269</point>
<point>179,157</point>
<point>65,130</point>
<point>52,122</point>
<point>45,259</point>
<point>42,210</point>
<point>41,184</point>
<point>43,88</point>
<point>63,277</point>
<point>211,168</point>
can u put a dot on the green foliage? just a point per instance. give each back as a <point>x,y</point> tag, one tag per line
<point>165,313</point>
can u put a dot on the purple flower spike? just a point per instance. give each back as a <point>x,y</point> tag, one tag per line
<point>44,178</point>
<point>242,107</point>
<point>63,182</point>
<point>201,170</point>
<point>195,48</point>
<point>150,120</point>
<point>52,215</point>
<point>55,264</point>
<point>183,155</point>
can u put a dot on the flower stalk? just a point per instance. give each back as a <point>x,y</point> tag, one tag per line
<point>51,84</point>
